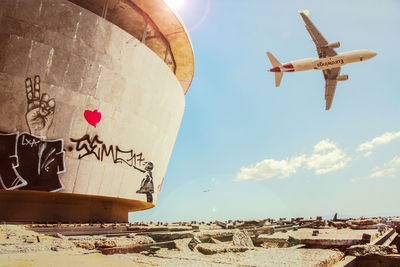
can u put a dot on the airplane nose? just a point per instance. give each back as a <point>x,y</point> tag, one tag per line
<point>372,54</point>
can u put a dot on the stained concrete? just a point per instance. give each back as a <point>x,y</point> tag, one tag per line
<point>86,62</point>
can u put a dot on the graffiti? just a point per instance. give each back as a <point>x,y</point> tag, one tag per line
<point>27,160</point>
<point>40,113</point>
<point>160,186</point>
<point>147,185</point>
<point>92,117</point>
<point>32,164</point>
<point>100,150</point>
<point>94,146</point>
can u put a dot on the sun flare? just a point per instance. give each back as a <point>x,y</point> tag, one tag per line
<point>174,4</point>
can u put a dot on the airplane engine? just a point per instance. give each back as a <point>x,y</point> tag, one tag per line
<point>342,77</point>
<point>333,45</point>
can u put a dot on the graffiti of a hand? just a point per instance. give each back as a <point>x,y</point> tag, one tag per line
<point>39,116</point>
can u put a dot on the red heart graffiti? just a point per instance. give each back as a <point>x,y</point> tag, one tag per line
<point>92,117</point>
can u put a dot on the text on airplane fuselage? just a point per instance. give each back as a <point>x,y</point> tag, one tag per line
<point>329,63</point>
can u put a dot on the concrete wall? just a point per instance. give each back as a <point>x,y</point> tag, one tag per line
<point>84,63</point>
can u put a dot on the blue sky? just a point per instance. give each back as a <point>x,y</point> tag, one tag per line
<point>262,151</point>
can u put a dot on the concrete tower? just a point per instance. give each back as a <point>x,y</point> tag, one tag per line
<point>91,100</point>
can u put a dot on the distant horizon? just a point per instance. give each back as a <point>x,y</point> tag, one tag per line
<point>324,217</point>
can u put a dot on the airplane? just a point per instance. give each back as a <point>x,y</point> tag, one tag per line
<point>328,61</point>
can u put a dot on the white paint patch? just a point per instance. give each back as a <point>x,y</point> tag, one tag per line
<point>49,62</point>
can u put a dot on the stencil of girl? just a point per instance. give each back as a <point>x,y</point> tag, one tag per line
<point>147,185</point>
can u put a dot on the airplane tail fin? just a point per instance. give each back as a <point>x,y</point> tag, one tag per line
<point>273,60</point>
<point>278,78</point>
<point>276,65</point>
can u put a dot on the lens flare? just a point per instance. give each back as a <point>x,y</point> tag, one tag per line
<point>174,4</point>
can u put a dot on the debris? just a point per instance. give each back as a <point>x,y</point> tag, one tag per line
<point>194,242</point>
<point>58,235</point>
<point>293,241</point>
<point>141,239</point>
<point>365,221</point>
<point>105,243</point>
<point>365,239</point>
<point>85,244</point>
<point>153,249</point>
<point>369,250</point>
<point>221,224</point>
<point>242,239</point>
<point>283,244</point>
<point>366,226</point>
<point>215,241</point>
<point>209,248</point>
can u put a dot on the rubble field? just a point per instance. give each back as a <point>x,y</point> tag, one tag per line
<point>295,242</point>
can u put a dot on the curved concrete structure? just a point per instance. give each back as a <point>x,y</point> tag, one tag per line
<point>91,108</point>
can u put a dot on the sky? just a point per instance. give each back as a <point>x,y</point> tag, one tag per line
<point>249,150</point>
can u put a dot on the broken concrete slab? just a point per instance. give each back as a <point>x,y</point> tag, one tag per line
<point>370,250</point>
<point>193,243</point>
<point>169,236</point>
<point>221,235</point>
<point>105,243</point>
<point>326,238</point>
<point>242,239</point>
<point>210,248</point>
<point>366,226</point>
<point>182,244</point>
<point>365,221</point>
<point>221,224</point>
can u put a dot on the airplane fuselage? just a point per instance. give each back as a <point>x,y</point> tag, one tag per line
<point>325,63</point>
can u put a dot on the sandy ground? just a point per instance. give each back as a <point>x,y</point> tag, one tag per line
<point>63,259</point>
<point>257,257</point>
<point>24,248</point>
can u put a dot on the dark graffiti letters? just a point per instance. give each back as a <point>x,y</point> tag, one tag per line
<point>87,146</point>
<point>93,146</point>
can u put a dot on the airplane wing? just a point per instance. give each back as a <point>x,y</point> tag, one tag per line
<point>330,76</point>
<point>319,40</point>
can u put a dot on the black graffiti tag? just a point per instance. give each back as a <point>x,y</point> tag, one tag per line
<point>94,146</point>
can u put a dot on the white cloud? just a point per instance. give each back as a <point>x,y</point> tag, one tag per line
<point>389,168</point>
<point>326,157</point>
<point>380,140</point>
<point>270,168</point>
<point>369,153</point>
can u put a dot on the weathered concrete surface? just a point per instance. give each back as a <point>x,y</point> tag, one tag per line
<point>326,237</point>
<point>242,239</point>
<point>21,252</point>
<point>370,250</point>
<point>87,63</point>
<point>211,248</point>
<point>123,14</point>
<point>257,257</point>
